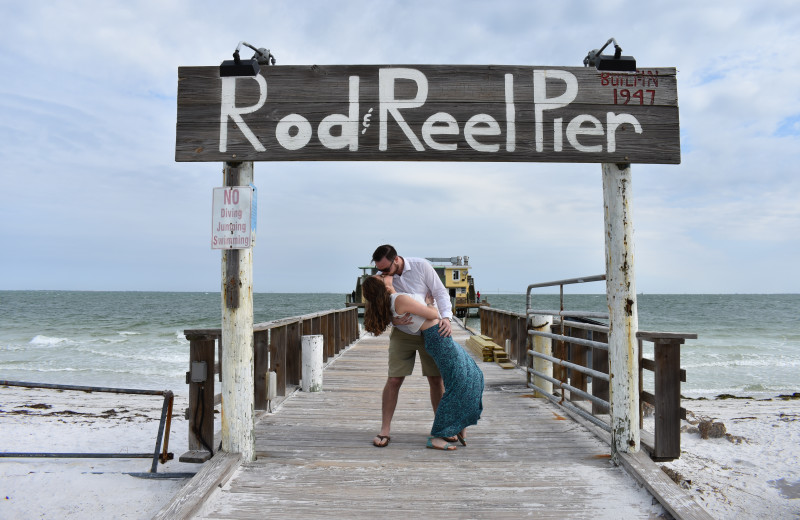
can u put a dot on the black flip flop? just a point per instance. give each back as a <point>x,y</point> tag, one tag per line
<point>382,438</point>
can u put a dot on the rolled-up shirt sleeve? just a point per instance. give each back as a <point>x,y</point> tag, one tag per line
<point>438,291</point>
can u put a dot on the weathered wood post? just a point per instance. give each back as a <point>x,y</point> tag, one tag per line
<point>238,430</point>
<point>312,347</point>
<point>622,311</point>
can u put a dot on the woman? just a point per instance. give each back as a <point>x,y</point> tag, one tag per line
<point>461,404</point>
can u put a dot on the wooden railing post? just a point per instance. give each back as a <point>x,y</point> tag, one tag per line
<point>277,349</point>
<point>335,334</point>
<point>600,388</point>
<point>559,351</point>
<point>327,328</point>
<point>667,357</point>
<point>506,328</point>
<point>522,340</point>
<point>201,397</point>
<point>578,355</point>
<point>260,351</point>
<point>293,363</point>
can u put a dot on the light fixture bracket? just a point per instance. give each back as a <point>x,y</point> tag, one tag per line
<point>617,62</point>
<point>239,67</point>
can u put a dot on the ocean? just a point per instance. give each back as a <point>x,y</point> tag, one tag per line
<point>748,345</point>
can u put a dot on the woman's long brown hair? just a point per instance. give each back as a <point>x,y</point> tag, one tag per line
<point>378,310</point>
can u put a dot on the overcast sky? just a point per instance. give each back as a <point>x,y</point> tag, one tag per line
<point>92,198</point>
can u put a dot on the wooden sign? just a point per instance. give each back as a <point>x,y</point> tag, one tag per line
<point>429,113</point>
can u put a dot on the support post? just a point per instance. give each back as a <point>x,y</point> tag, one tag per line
<point>542,345</point>
<point>312,347</point>
<point>238,428</point>
<point>622,309</point>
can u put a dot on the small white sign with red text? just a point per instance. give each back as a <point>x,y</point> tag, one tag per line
<point>233,217</point>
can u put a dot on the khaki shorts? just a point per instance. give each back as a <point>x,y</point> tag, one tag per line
<point>402,353</point>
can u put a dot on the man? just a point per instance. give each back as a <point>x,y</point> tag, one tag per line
<point>414,276</point>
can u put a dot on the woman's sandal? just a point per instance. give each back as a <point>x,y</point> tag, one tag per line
<point>461,439</point>
<point>447,446</point>
<point>381,438</point>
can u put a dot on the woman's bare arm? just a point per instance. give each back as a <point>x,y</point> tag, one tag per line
<point>407,304</point>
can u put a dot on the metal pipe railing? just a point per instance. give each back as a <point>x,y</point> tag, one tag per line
<point>568,281</point>
<point>569,314</point>
<point>562,385</point>
<point>589,417</point>
<point>574,376</point>
<point>579,368</point>
<point>163,425</point>
<point>570,339</point>
<point>584,326</point>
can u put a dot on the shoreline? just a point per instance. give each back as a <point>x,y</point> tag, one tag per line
<point>723,397</point>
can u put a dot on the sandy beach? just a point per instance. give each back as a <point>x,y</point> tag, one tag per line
<point>37,420</point>
<point>751,471</point>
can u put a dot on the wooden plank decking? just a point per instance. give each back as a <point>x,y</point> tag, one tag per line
<point>524,458</point>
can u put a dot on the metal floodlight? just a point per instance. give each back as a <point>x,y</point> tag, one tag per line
<point>617,62</point>
<point>239,67</point>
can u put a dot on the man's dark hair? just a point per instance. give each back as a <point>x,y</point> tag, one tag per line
<point>384,251</point>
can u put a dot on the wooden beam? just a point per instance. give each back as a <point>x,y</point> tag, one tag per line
<point>193,495</point>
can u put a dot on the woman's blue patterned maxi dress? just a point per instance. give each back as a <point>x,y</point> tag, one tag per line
<point>461,404</point>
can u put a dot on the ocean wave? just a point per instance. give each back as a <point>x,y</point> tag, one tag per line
<point>128,333</point>
<point>161,357</point>
<point>40,368</point>
<point>753,362</point>
<point>165,372</point>
<point>46,341</point>
<point>13,347</point>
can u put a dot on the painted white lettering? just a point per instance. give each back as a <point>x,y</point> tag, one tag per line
<point>297,140</point>
<point>348,124</point>
<point>228,109</point>
<point>576,128</point>
<point>558,140</point>
<point>511,131</point>
<point>440,123</point>
<point>390,105</point>
<point>481,124</point>
<point>541,102</point>
<point>613,122</point>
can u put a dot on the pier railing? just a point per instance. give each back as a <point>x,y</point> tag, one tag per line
<point>276,352</point>
<point>161,436</point>
<point>568,364</point>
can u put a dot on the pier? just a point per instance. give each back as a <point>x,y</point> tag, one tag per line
<point>527,457</point>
